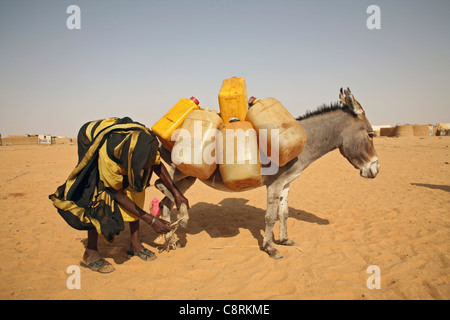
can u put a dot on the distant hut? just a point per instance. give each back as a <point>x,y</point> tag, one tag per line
<point>404,131</point>
<point>443,129</point>
<point>423,130</point>
<point>379,129</point>
<point>44,139</point>
<point>387,132</point>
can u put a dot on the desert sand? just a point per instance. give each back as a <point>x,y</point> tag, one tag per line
<point>398,221</point>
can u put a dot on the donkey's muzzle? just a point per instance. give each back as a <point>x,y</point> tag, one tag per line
<point>371,169</point>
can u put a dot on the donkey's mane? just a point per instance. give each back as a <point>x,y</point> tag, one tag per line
<point>325,108</point>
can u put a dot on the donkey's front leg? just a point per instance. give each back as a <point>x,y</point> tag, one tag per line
<point>166,205</point>
<point>168,202</point>
<point>271,217</point>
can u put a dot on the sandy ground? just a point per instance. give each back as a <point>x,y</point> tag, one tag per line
<point>344,224</point>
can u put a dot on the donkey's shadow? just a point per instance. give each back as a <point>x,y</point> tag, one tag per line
<point>222,220</point>
<point>225,219</point>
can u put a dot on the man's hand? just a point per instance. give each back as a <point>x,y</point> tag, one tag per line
<point>160,225</point>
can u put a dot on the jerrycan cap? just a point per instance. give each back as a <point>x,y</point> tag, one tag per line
<point>252,101</point>
<point>195,100</point>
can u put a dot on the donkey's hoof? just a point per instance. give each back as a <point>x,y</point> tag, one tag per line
<point>179,245</point>
<point>274,253</point>
<point>288,242</point>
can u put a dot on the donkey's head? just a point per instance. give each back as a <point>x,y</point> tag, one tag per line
<point>357,138</point>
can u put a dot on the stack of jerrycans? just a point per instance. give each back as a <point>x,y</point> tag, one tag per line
<point>237,150</point>
<point>199,147</point>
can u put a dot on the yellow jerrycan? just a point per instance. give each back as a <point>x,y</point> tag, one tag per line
<point>270,114</point>
<point>173,120</point>
<point>194,152</point>
<point>233,99</point>
<point>238,156</point>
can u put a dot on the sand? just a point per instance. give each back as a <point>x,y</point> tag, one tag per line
<point>344,224</point>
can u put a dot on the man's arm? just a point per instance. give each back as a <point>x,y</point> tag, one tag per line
<point>159,225</point>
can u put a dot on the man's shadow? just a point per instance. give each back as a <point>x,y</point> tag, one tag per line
<point>222,220</point>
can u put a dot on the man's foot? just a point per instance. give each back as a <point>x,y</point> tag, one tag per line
<point>92,260</point>
<point>141,252</point>
<point>99,265</point>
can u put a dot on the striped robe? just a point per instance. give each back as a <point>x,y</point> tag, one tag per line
<point>83,200</point>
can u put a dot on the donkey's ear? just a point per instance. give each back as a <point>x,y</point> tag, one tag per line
<point>347,98</point>
<point>341,97</point>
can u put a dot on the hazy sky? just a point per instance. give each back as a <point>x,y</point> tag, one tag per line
<point>138,58</point>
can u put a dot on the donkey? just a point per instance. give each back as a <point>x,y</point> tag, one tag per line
<point>330,127</point>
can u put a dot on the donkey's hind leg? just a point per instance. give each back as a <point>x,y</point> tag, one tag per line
<point>283,214</point>
<point>273,201</point>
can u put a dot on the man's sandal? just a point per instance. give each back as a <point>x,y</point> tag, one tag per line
<point>99,265</point>
<point>144,254</point>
